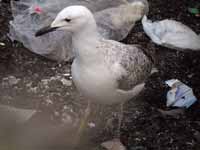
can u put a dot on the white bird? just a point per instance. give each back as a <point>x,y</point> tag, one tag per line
<point>104,71</point>
<point>171,34</point>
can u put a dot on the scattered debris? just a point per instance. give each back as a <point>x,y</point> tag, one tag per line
<point>197,135</point>
<point>33,89</point>
<point>29,16</point>
<point>190,75</point>
<point>20,115</point>
<point>171,34</point>
<point>180,94</point>
<point>56,113</point>
<point>38,9</point>
<point>11,80</point>
<point>66,82</point>
<point>68,118</point>
<point>173,113</point>
<point>91,124</point>
<point>48,101</point>
<point>67,74</point>
<point>114,144</point>
<point>138,148</point>
<point>154,70</point>
<point>194,11</point>
<point>1,43</point>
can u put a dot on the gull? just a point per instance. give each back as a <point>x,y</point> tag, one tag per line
<point>104,71</point>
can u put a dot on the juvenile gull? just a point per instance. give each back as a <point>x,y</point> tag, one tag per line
<point>104,71</point>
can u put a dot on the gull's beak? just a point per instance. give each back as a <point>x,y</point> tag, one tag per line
<point>45,30</point>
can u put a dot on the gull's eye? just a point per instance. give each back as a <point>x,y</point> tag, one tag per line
<point>67,20</point>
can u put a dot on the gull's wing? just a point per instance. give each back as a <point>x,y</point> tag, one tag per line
<point>128,64</point>
<point>137,66</point>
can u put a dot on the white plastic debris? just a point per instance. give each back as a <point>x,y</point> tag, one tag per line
<point>114,20</point>
<point>91,124</point>
<point>114,144</point>
<point>1,43</point>
<point>11,80</point>
<point>66,82</point>
<point>115,23</point>
<point>180,94</point>
<point>171,34</point>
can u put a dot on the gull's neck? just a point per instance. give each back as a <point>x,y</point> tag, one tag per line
<point>85,42</point>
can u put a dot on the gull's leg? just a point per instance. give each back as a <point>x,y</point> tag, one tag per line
<point>120,117</point>
<point>137,89</point>
<point>83,124</point>
<point>84,119</point>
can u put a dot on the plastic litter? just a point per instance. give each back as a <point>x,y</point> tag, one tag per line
<point>171,34</point>
<point>114,19</point>
<point>115,23</point>
<point>2,44</point>
<point>17,114</point>
<point>180,94</point>
<point>114,144</point>
<point>11,80</point>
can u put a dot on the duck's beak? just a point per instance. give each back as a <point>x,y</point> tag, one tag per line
<point>45,30</point>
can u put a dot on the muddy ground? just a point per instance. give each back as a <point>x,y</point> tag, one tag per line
<point>33,82</point>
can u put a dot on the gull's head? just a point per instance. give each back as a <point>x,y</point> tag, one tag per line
<point>72,19</point>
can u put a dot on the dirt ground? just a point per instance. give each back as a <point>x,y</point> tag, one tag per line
<point>33,82</point>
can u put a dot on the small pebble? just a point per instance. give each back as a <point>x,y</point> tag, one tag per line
<point>12,80</point>
<point>67,74</point>
<point>56,113</point>
<point>191,75</point>
<point>33,89</point>
<point>1,43</point>
<point>65,107</point>
<point>48,102</point>
<point>66,82</point>
<point>67,119</point>
<point>91,124</point>
<point>114,144</point>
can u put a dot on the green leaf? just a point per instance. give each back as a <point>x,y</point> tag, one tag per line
<point>194,11</point>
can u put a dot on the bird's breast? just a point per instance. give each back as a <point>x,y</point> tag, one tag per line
<point>95,82</point>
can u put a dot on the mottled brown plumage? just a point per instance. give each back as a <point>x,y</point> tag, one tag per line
<point>137,66</point>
